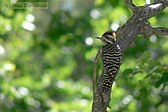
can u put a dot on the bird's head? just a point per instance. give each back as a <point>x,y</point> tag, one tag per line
<point>108,37</point>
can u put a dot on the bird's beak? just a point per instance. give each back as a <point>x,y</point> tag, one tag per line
<point>99,38</point>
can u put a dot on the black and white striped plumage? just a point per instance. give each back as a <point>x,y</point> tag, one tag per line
<point>111,57</point>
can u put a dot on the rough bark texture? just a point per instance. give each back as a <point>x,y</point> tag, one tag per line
<point>126,34</point>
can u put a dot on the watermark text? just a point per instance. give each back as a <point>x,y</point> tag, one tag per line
<point>26,5</point>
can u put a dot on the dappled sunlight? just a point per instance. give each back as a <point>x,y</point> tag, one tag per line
<point>2,50</point>
<point>114,26</point>
<point>28,26</point>
<point>89,40</point>
<point>94,13</point>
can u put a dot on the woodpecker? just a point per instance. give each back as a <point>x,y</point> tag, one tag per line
<point>111,57</point>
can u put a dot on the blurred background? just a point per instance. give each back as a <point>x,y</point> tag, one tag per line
<point>46,58</point>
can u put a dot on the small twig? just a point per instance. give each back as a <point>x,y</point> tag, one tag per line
<point>130,4</point>
<point>94,71</point>
<point>164,85</point>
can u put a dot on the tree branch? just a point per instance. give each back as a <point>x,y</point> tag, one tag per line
<point>148,30</point>
<point>127,33</point>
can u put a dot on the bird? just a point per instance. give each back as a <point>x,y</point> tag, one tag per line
<point>111,57</point>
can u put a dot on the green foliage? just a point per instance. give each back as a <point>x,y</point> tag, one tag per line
<point>46,58</point>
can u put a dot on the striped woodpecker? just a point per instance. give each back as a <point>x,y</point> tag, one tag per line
<point>111,57</point>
